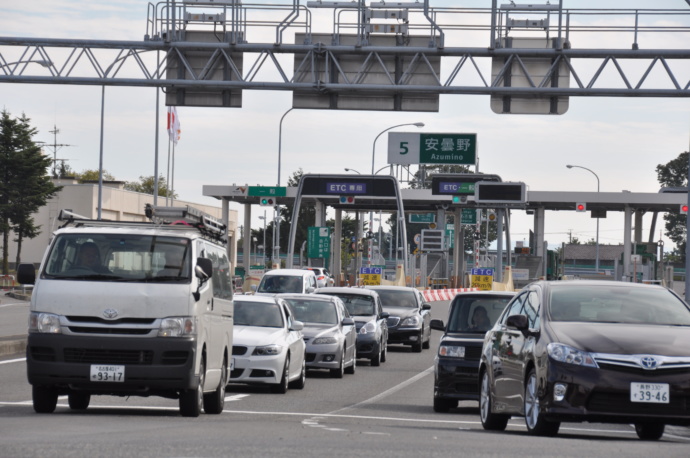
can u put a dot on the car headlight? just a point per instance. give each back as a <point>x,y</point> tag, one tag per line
<point>411,321</point>
<point>324,340</point>
<point>47,323</point>
<point>367,328</point>
<point>177,326</point>
<point>451,351</point>
<point>268,350</point>
<point>567,354</point>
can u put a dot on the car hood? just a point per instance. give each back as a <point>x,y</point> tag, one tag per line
<point>619,338</point>
<point>252,336</point>
<point>402,312</point>
<point>311,331</point>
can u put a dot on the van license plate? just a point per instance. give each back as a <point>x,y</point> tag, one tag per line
<point>101,373</point>
<point>649,392</point>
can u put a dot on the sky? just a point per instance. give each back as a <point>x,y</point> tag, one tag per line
<point>621,139</point>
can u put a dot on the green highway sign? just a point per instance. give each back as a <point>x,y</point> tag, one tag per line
<point>272,191</point>
<point>318,242</point>
<point>432,148</point>
<point>469,216</point>
<point>422,217</point>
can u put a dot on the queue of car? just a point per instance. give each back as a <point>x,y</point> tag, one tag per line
<point>596,351</point>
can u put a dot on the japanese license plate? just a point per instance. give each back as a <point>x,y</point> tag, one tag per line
<point>103,373</point>
<point>649,392</point>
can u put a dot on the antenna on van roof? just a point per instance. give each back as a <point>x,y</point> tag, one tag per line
<point>188,216</point>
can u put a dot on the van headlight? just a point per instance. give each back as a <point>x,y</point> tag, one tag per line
<point>177,326</point>
<point>47,323</point>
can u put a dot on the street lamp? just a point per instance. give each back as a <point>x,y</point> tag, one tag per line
<point>597,177</point>
<point>357,171</point>
<point>276,209</point>
<point>352,170</point>
<point>41,62</point>
<point>373,149</point>
<point>264,218</point>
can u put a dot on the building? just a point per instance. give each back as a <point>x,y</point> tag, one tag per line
<point>119,204</point>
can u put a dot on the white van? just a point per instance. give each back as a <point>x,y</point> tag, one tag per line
<point>278,281</point>
<point>132,309</point>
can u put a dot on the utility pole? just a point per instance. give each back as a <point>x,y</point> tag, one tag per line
<point>55,146</point>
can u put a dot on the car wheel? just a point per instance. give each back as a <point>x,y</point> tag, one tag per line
<point>302,380</point>
<point>535,421</point>
<point>649,431</point>
<point>490,420</point>
<point>282,387</point>
<point>192,401</point>
<point>340,370</point>
<point>443,405</point>
<point>351,369</point>
<point>376,359</point>
<point>44,399</point>
<point>78,400</point>
<point>215,402</point>
<point>384,352</point>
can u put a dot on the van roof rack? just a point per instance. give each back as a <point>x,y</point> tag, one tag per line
<point>172,217</point>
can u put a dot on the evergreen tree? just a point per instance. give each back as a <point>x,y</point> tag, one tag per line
<point>25,184</point>
<point>674,174</point>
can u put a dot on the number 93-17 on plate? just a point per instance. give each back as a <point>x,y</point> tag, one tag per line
<point>649,392</point>
<point>107,373</point>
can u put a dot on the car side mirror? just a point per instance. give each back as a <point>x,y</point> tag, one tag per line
<point>384,315</point>
<point>26,274</point>
<point>310,289</point>
<point>297,326</point>
<point>438,325</point>
<point>519,322</point>
<point>348,322</point>
<point>426,306</point>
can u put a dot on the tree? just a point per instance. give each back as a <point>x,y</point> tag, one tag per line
<point>675,174</point>
<point>92,175</point>
<point>25,184</point>
<point>146,184</point>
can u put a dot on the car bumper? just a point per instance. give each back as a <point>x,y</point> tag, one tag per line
<point>158,366</point>
<point>325,356</point>
<point>603,395</point>
<point>257,370</point>
<point>368,346</point>
<point>407,336</point>
<point>456,378</point>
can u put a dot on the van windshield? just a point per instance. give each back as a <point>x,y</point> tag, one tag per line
<point>280,284</point>
<point>119,257</point>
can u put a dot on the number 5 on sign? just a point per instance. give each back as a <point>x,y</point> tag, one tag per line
<point>403,148</point>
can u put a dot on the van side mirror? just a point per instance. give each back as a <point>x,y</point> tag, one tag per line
<point>437,325</point>
<point>26,274</point>
<point>203,271</point>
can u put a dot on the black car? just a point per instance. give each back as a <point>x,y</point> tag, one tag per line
<point>456,366</point>
<point>409,320</point>
<point>596,351</point>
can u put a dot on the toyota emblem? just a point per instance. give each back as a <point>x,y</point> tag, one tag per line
<point>649,362</point>
<point>110,313</point>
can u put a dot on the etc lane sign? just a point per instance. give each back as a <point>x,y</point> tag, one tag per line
<point>432,148</point>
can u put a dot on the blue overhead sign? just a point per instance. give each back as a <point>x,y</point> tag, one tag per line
<point>346,188</point>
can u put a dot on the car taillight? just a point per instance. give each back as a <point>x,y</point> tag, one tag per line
<point>320,277</point>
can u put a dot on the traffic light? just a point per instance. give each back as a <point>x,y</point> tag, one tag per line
<point>684,209</point>
<point>580,207</point>
<point>491,216</point>
<point>267,201</point>
<point>461,199</point>
<point>347,200</point>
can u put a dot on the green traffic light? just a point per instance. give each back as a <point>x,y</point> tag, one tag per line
<point>456,199</point>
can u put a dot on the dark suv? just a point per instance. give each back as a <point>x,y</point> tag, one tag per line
<point>456,367</point>
<point>409,320</point>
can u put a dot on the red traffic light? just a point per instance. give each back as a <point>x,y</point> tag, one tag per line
<point>580,207</point>
<point>684,209</point>
<point>348,200</point>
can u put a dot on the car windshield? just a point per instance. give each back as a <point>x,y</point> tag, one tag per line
<point>397,298</point>
<point>280,284</point>
<point>119,257</point>
<point>470,313</point>
<point>358,305</point>
<point>262,314</point>
<point>313,311</point>
<point>617,304</point>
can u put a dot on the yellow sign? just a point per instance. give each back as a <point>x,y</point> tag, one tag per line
<point>483,282</point>
<point>370,279</point>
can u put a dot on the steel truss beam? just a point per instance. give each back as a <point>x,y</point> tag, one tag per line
<point>594,72</point>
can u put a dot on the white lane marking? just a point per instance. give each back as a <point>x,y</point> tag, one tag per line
<point>13,361</point>
<point>235,397</point>
<point>388,392</point>
<point>11,304</point>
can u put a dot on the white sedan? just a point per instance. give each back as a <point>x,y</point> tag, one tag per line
<point>268,346</point>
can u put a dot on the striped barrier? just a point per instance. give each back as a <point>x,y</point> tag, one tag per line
<point>6,282</point>
<point>433,295</point>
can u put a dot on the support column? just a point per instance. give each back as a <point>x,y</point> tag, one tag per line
<point>627,243</point>
<point>335,246</point>
<point>539,219</point>
<point>247,238</point>
<point>458,250</point>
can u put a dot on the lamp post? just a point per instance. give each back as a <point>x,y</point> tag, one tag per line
<point>373,157</point>
<point>357,171</point>
<point>597,241</point>
<point>276,209</point>
<point>264,218</point>
<point>41,62</point>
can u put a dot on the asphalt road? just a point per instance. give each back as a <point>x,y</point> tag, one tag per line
<point>381,411</point>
